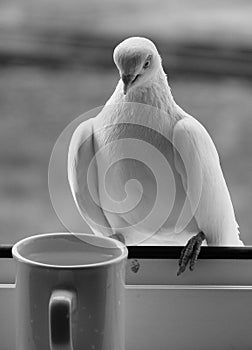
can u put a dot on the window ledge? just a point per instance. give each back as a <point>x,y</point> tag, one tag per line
<point>205,309</point>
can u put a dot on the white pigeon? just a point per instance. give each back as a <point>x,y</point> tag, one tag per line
<point>142,111</point>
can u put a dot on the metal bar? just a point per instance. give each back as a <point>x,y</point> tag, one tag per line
<point>165,252</point>
<point>5,251</point>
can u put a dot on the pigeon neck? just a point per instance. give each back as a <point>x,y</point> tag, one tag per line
<point>155,92</point>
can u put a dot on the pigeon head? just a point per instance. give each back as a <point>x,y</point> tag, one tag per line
<point>137,60</point>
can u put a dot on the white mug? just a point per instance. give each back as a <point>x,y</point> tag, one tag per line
<point>70,292</point>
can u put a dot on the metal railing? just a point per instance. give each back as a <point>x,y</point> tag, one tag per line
<point>172,252</point>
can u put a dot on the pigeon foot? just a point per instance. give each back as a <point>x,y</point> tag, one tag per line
<point>119,237</point>
<point>190,252</point>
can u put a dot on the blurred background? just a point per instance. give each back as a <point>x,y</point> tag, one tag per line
<point>56,63</point>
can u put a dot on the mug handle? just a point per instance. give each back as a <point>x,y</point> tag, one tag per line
<point>61,306</point>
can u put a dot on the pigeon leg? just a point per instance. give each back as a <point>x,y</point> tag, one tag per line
<point>190,252</point>
<point>118,237</point>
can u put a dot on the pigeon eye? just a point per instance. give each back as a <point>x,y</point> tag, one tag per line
<point>146,64</point>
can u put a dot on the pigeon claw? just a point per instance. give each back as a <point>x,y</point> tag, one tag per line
<point>190,252</point>
<point>119,237</point>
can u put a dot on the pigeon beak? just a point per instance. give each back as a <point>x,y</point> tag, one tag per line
<point>127,80</point>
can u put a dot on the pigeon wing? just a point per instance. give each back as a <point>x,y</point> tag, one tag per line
<point>83,178</point>
<point>197,161</point>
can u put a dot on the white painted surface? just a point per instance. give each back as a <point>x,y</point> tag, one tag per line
<point>207,272</point>
<point>182,319</point>
<point>7,317</point>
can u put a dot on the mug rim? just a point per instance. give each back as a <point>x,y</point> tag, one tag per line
<point>19,257</point>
